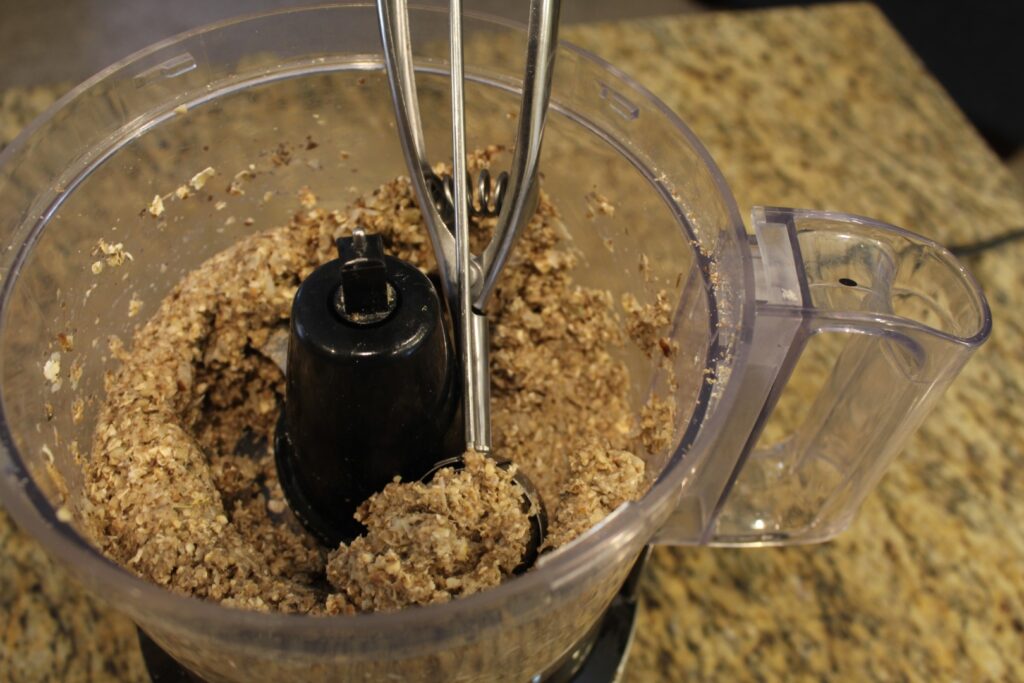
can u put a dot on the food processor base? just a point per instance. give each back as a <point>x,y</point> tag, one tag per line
<point>599,658</point>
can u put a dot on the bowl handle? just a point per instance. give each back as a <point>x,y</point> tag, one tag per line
<point>859,328</point>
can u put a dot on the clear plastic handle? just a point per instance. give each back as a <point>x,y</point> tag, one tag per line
<point>887,318</point>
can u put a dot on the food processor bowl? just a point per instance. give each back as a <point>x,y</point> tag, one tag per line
<point>228,96</point>
<point>297,99</point>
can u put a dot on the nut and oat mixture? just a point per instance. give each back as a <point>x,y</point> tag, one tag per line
<point>472,520</point>
<point>181,486</point>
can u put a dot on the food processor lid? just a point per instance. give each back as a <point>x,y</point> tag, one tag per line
<point>30,507</point>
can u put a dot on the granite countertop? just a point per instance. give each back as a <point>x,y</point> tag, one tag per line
<point>820,108</point>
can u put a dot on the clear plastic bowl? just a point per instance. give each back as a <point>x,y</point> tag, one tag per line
<point>88,166</point>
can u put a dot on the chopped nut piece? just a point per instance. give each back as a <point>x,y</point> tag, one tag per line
<point>199,179</point>
<point>645,267</point>
<point>156,207</point>
<point>235,188</point>
<point>668,346</point>
<point>282,156</point>
<point>647,324</point>
<point>306,198</point>
<point>75,375</point>
<point>51,369</point>
<point>66,341</point>
<point>115,254</point>
<point>134,306</point>
<point>657,424</point>
<point>598,203</point>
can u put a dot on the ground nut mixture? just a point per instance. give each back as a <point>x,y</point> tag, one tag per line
<point>181,486</point>
<point>472,520</point>
<point>599,481</point>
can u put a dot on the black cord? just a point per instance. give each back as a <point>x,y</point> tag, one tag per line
<point>975,248</point>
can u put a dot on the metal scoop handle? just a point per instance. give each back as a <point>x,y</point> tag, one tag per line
<point>469,280</point>
<point>394,31</point>
<point>523,189</point>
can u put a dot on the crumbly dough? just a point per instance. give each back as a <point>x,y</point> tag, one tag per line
<point>599,481</point>
<point>647,324</point>
<point>181,487</point>
<point>462,532</point>
<point>657,418</point>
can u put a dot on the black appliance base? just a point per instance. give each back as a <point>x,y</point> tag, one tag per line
<point>599,658</point>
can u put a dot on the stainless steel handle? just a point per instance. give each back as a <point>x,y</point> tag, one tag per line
<point>393,16</point>
<point>523,188</point>
<point>467,280</point>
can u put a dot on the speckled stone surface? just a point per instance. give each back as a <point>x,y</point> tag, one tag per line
<point>822,108</point>
<point>826,108</point>
<point>50,628</point>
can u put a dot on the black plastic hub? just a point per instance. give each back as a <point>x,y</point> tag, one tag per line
<point>371,388</point>
<point>365,296</point>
